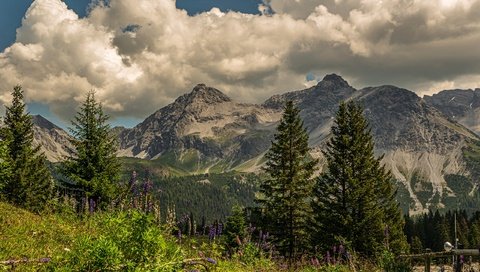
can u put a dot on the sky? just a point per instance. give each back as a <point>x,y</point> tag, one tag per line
<point>139,55</point>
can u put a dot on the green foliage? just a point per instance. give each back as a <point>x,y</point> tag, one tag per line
<point>354,200</point>
<point>423,187</point>
<point>94,167</point>
<point>471,153</point>
<point>207,196</point>
<point>5,165</point>
<point>432,230</point>
<point>390,263</point>
<point>30,184</point>
<point>235,229</point>
<point>127,242</point>
<point>334,268</point>
<point>27,235</point>
<point>286,193</point>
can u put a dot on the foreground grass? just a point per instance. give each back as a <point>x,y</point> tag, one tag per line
<point>26,235</point>
<point>127,241</point>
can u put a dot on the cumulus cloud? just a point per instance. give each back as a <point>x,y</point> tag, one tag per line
<point>140,55</point>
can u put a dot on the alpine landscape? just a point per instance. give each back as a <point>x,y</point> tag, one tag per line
<point>181,135</point>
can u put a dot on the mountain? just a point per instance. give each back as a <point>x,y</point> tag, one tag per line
<point>433,154</point>
<point>53,140</point>
<point>463,106</point>
<point>201,131</point>
<point>206,131</point>
<point>424,149</point>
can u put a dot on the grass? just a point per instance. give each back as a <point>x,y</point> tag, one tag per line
<point>119,241</point>
<point>26,235</point>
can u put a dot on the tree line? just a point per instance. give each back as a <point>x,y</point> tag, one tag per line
<point>433,229</point>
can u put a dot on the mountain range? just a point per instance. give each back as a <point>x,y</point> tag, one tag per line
<point>431,144</point>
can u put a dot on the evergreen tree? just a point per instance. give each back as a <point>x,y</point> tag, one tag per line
<point>30,184</point>
<point>5,166</point>
<point>286,194</point>
<point>354,201</point>
<point>235,229</point>
<point>94,166</point>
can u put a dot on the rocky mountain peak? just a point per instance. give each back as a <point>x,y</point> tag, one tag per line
<point>333,81</point>
<point>205,94</point>
<point>53,141</point>
<point>41,122</point>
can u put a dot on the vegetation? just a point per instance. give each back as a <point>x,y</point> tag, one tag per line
<point>30,183</point>
<point>345,220</point>
<point>93,168</point>
<point>354,201</point>
<point>5,167</point>
<point>124,241</point>
<point>432,230</point>
<point>235,230</point>
<point>285,198</point>
<point>206,197</point>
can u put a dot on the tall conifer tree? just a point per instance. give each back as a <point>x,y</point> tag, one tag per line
<point>30,184</point>
<point>354,201</point>
<point>94,166</point>
<point>286,194</point>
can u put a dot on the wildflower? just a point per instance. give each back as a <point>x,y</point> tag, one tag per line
<point>341,249</point>
<point>212,233</point>
<point>210,260</point>
<point>44,260</point>
<point>327,257</point>
<point>91,205</point>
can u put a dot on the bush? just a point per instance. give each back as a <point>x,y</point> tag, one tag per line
<point>127,242</point>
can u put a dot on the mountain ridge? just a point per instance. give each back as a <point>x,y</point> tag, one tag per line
<point>206,131</point>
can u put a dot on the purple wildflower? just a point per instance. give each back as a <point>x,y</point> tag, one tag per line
<point>210,260</point>
<point>341,249</point>
<point>91,205</point>
<point>327,257</point>
<point>212,233</point>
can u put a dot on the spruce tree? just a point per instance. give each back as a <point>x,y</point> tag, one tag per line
<point>30,184</point>
<point>5,166</point>
<point>286,194</point>
<point>93,166</point>
<point>354,201</point>
<point>235,229</point>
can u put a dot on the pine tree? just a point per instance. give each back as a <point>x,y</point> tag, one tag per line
<point>5,166</point>
<point>286,194</point>
<point>235,229</point>
<point>30,184</point>
<point>93,166</point>
<point>354,201</point>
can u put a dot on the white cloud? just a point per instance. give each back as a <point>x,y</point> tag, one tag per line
<point>141,54</point>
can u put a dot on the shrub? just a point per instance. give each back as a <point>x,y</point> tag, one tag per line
<point>127,242</point>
